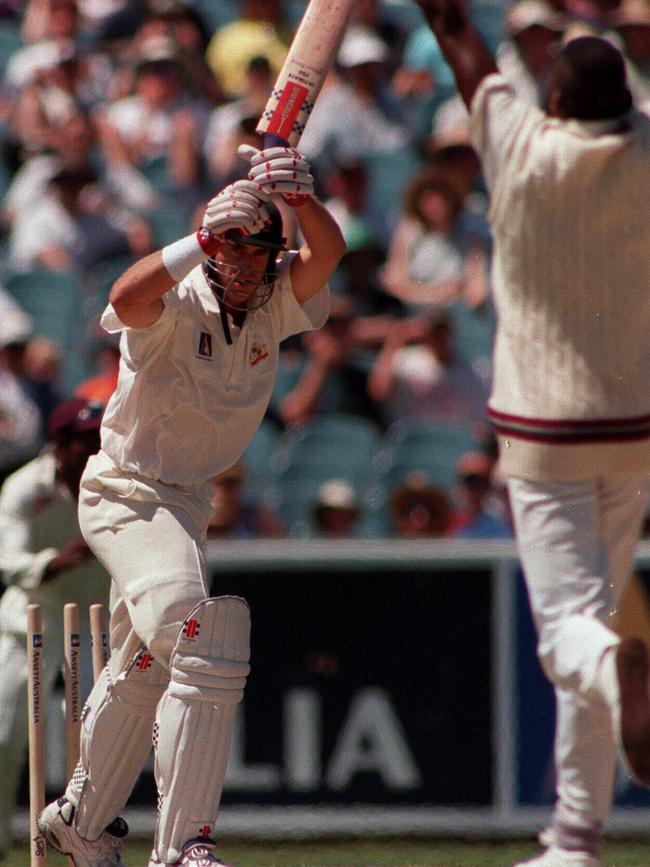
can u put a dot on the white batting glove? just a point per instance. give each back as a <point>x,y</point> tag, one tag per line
<point>239,206</point>
<point>280,170</point>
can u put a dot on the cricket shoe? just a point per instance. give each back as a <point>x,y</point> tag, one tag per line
<point>57,823</point>
<point>556,857</point>
<point>633,669</point>
<point>196,853</point>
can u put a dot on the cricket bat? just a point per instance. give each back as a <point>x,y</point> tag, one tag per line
<point>298,84</point>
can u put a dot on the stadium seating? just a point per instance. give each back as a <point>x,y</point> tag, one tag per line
<point>332,446</point>
<point>53,299</point>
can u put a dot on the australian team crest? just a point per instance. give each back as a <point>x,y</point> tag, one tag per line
<point>259,351</point>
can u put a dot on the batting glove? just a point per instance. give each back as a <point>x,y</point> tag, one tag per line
<point>239,206</point>
<point>280,170</point>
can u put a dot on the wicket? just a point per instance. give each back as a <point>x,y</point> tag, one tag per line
<point>36,707</point>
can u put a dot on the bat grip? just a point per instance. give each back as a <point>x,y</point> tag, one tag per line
<point>271,140</point>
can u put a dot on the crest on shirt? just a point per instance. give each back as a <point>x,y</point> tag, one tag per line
<point>259,351</point>
<point>205,345</point>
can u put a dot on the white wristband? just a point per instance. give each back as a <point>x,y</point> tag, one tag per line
<point>182,256</point>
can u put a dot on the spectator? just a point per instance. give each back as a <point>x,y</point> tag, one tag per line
<point>42,559</point>
<point>631,21</point>
<point>356,117</point>
<point>423,81</point>
<point>158,127</point>
<point>47,104</point>
<point>39,371</point>
<point>20,419</point>
<point>534,28</point>
<point>234,123</point>
<point>419,375</point>
<point>336,511</point>
<point>331,378</point>
<point>75,227</point>
<point>232,517</point>
<point>419,509</point>
<point>49,27</point>
<point>480,508</point>
<point>261,28</point>
<point>101,385</point>
<point>431,259</point>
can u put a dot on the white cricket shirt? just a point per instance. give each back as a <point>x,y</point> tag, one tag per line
<point>570,213</point>
<point>187,403</point>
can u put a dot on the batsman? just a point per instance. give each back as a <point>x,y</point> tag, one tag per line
<point>200,322</point>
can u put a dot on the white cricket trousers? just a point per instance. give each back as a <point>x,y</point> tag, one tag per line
<point>576,543</point>
<point>148,537</point>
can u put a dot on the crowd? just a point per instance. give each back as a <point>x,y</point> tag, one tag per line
<point>119,119</point>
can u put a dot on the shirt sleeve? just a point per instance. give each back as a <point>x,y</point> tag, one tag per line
<point>498,119</point>
<point>137,343</point>
<point>292,316</point>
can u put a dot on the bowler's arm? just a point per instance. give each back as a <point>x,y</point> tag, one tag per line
<point>460,42</point>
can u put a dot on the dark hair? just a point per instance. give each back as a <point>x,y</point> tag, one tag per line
<point>589,75</point>
<point>433,179</point>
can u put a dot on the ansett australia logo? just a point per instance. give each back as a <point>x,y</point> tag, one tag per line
<point>259,352</point>
<point>205,345</point>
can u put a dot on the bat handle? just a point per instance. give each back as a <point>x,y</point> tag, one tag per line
<point>271,140</point>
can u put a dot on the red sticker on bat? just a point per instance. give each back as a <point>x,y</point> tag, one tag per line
<point>287,110</point>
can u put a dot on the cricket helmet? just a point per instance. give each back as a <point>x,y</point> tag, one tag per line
<point>221,275</point>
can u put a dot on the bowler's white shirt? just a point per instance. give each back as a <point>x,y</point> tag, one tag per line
<point>187,403</point>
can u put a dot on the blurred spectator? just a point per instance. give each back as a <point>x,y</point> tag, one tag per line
<point>41,369</point>
<point>74,227</point>
<point>480,509</point>
<point>183,23</point>
<point>74,149</point>
<point>161,124</point>
<point>232,517</point>
<point>234,123</point>
<point>50,28</point>
<point>331,378</point>
<point>336,510</point>
<point>419,509</point>
<point>534,28</point>
<point>261,28</point>
<point>423,81</point>
<point>375,15</point>
<point>419,375</point>
<point>356,117</point>
<point>101,385</point>
<point>435,256</point>
<point>20,419</point>
<point>47,104</point>
<point>631,21</point>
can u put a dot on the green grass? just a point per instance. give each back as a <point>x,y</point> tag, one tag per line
<point>368,853</point>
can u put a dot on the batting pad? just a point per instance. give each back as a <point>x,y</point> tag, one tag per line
<point>116,733</point>
<point>193,731</point>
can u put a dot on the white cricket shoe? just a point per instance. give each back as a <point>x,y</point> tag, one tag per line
<point>196,853</point>
<point>556,857</point>
<point>57,823</point>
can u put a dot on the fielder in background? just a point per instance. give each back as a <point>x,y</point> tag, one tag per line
<point>570,216</point>
<point>44,560</point>
<point>201,322</point>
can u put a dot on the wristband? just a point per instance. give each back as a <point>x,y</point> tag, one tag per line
<point>180,257</point>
